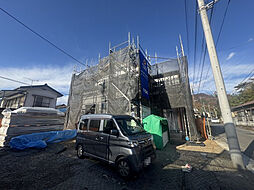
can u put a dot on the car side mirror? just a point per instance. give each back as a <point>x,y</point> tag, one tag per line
<point>76,125</point>
<point>114,132</point>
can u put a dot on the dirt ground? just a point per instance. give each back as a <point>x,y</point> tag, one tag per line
<point>57,167</point>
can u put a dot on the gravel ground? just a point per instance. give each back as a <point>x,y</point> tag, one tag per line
<point>52,169</point>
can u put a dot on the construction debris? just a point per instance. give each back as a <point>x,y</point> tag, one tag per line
<point>27,120</point>
<point>40,140</point>
<point>187,168</point>
<point>194,143</point>
<point>32,116</point>
<point>210,147</point>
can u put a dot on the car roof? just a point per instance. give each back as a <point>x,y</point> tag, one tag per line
<point>122,116</point>
<point>96,116</point>
<point>103,116</point>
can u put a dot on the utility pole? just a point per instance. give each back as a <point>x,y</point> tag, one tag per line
<point>234,148</point>
<point>209,108</point>
<point>193,98</point>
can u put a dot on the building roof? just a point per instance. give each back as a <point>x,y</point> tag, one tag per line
<point>8,93</point>
<point>247,104</point>
<point>22,90</point>
<point>40,86</point>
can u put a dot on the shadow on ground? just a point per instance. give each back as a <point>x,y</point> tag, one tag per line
<point>250,150</point>
<point>217,129</point>
<point>52,169</point>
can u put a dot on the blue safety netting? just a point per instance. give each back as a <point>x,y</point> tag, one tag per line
<point>40,140</point>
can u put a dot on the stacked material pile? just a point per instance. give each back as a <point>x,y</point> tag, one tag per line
<point>28,120</point>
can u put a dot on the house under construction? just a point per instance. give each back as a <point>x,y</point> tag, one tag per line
<point>126,82</point>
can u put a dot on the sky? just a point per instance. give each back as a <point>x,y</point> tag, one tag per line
<point>85,28</point>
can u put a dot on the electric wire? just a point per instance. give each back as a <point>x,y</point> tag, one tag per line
<point>202,68</point>
<point>40,36</point>
<point>202,52</point>
<point>223,20</point>
<point>186,25</point>
<point>195,43</point>
<point>221,27</point>
<point>248,76</point>
<point>167,58</point>
<point>13,80</point>
<point>205,51</point>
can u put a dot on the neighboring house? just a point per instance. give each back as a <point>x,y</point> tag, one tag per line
<point>61,107</point>
<point>29,96</point>
<point>244,114</point>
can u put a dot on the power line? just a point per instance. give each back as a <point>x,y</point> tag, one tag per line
<point>203,48</point>
<point>240,45</point>
<point>186,25</point>
<point>237,46</point>
<point>248,76</point>
<point>14,80</point>
<point>195,45</point>
<point>205,51</point>
<point>202,51</point>
<point>202,68</point>
<point>167,58</point>
<point>40,36</point>
<point>223,20</point>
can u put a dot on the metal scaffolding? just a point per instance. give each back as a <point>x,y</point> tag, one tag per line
<point>116,86</point>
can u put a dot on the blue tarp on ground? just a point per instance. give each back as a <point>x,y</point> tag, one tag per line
<point>40,140</point>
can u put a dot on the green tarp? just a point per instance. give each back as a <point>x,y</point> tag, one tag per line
<point>156,126</point>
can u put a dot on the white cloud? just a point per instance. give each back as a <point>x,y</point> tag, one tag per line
<point>55,76</point>
<point>230,56</point>
<point>233,74</point>
<point>250,39</point>
<point>62,100</point>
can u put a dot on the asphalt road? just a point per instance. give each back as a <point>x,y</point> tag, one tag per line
<point>245,137</point>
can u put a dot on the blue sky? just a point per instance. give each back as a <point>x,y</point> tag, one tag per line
<point>84,28</point>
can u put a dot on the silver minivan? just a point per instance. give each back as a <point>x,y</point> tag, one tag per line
<point>116,139</point>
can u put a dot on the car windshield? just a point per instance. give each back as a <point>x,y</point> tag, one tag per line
<point>129,126</point>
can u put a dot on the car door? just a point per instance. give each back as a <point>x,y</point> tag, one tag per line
<point>82,134</point>
<point>92,136</point>
<point>102,141</point>
<point>107,151</point>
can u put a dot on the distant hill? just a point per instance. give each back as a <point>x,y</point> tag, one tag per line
<point>245,94</point>
<point>206,100</point>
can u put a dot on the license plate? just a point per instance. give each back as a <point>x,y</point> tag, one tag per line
<point>147,161</point>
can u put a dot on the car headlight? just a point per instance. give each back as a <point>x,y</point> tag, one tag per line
<point>133,143</point>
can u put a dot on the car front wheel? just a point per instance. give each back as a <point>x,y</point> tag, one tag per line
<point>124,168</point>
<point>80,151</point>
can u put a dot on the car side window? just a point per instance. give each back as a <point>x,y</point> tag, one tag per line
<point>108,124</point>
<point>94,125</point>
<point>83,125</point>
